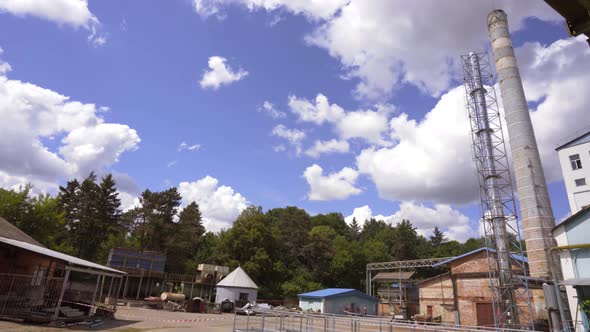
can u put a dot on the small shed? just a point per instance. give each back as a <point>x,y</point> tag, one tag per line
<point>35,282</point>
<point>237,287</point>
<point>339,301</point>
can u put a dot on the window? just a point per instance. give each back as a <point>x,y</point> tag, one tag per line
<point>38,276</point>
<point>580,182</point>
<point>576,162</point>
<point>243,297</point>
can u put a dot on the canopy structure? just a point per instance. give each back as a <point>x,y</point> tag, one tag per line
<point>237,279</point>
<point>390,277</point>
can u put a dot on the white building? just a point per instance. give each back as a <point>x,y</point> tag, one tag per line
<point>237,287</point>
<point>574,157</point>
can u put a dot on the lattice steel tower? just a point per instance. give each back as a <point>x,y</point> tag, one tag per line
<point>497,198</point>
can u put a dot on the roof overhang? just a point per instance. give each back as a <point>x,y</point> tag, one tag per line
<point>576,282</point>
<point>74,263</point>
<point>576,14</point>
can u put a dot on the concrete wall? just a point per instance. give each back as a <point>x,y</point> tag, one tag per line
<point>233,294</point>
<point>311,304</point>
<point>577,196</point>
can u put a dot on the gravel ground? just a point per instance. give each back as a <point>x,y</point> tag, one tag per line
<point>139,320</point>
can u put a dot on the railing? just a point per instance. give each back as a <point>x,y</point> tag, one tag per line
<point>285,321</point>
<point>28,296</point>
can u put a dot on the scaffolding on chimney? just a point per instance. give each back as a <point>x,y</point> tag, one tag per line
<point>511,299</point>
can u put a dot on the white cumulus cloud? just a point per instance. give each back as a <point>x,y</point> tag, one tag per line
<point>454,223</point>
<point>81,140</point>
<point>331,146</point>
<point>220,73</point>
<point>335,186</point>
<point>293,136</point>
<point>387,43</point>
<point>220,205</point>
<point>270,109</point>
<point>556,76</point>
<point>313,9</point>
<point>74,13</point>
<point>368,125</point>
<point>318,111</point>
<point>383,44</point>
<point>184,146</point>
<point>431,158</point>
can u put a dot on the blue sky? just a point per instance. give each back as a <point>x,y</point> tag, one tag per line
<point>135,69</point>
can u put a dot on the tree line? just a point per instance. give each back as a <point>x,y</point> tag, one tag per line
<point>285,250</point>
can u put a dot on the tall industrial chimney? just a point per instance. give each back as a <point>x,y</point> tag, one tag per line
<point>535,207</point>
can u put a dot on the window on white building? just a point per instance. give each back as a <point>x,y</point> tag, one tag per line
<point>580,182</point>
<point>576,162</point>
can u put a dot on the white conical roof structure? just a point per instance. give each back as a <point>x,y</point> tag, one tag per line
<point>237,279</point>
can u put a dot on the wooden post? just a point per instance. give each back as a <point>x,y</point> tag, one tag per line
<point>125,287</point>
<point>110,288</point>
<point>61,294</point>
<point>101,287</point>
<point>93,303</point>
<point>139,287</point>
<point>118,290</point>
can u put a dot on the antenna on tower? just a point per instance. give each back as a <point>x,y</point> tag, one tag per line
<point>497,198</point>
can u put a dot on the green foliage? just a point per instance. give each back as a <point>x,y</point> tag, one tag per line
<point>284,250</point>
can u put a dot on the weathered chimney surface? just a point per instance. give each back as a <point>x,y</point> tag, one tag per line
<point>535,206</point>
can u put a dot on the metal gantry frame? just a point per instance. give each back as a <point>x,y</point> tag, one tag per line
<point>497,197</point>
<point>397,266</point>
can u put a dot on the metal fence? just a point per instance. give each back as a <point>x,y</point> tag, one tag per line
<point>28,296</point>
<point>285,321</point>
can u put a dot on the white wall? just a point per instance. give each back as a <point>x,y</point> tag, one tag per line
<point>311,304</point>
<point>568,272</point>
<point>577,196</point>
<point>233,294</point>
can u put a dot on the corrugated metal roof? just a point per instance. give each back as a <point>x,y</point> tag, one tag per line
<point>10,231</point>
<point>393,276</point>
<point>57,255</point>
<point>332,292</point>
<point>516,257</point>
<point>238,278</point>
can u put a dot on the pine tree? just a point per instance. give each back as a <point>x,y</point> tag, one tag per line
<point>437,237</point>
<point>355,229</point>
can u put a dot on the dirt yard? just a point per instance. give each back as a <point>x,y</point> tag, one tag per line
<point>139,320</point>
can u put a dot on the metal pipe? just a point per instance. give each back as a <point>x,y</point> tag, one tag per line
<point>490,177</point>
<point>555,280</point>
<point>535,206</point>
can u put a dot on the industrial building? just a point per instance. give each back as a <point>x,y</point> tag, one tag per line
<point>463,295</point>
<point>574,157</point>
<point>237,287</point>
<point>571,235</point>
<point>338,301</point>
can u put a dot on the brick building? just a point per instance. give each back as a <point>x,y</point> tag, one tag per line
<point>463,295</point>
